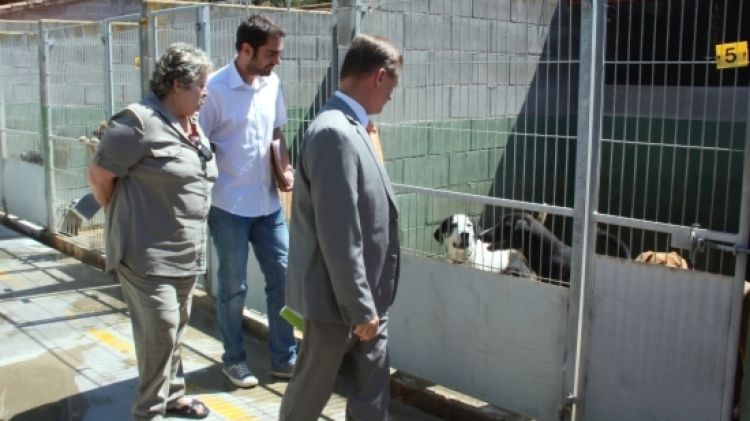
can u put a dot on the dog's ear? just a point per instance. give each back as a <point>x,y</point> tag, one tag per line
<point>442,230</point>
<point>645,257</point>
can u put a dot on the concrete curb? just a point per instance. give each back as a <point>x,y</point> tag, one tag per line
<point>411,390</point>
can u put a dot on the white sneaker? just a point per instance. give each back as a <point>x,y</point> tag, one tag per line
<point>240,375</point>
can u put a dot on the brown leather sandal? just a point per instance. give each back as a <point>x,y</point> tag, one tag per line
<point>191,410</point>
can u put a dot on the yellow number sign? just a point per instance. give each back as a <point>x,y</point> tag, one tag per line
<point>731,55</point>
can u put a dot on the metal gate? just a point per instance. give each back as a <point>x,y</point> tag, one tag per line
<point>669,148</point>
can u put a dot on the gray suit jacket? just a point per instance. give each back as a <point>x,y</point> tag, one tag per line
<point>344,246</point>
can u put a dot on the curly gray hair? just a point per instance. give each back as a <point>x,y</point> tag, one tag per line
<point>181,62</point>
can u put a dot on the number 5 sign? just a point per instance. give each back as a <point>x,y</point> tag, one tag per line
<point>731,55</point>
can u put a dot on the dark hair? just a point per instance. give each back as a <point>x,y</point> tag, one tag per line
<point>181,62</point>
<point>368,53</point>
<point>255,31</point>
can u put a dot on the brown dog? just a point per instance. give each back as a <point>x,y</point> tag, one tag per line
<point>671,259</point>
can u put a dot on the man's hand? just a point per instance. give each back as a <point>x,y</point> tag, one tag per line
<point>367,331</point>
<point>289,177</point>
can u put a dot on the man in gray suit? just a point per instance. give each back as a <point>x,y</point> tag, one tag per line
<point>344,248</point>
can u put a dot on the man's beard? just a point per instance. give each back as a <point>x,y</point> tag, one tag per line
<point>259,71</point>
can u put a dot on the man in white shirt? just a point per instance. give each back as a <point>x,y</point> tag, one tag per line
<point>245,112</point>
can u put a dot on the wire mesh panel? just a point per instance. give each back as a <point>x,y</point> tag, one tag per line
<point>19,75</point>
<point>126,76</point>
<point>306,69</point>
<point>175,25</point>
<point>674,129</point>
<point>486,107</point>
<point>76,90</point>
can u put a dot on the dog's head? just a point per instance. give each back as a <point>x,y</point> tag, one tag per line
<point>458,234</point>
<point>671,259</point>
<point>509,231</point>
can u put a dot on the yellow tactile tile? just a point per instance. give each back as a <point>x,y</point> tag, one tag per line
<point>222,406</point>
<point>110,340</point>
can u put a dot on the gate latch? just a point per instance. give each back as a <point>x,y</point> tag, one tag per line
<point>699,244</point>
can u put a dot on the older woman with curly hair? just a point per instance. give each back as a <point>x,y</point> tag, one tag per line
<point>153,172</point>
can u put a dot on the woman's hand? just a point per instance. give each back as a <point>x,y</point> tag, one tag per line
<point>102,183</point>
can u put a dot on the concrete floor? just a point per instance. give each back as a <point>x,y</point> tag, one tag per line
<point>66,351</point>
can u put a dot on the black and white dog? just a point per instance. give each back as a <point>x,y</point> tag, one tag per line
<point>458,234</point>
<point>546,254</point>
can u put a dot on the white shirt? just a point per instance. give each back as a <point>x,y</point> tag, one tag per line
<point>358,109</point>
<point>239,119</point>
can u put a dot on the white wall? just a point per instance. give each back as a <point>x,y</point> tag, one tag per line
<point>23,185</point>
<point>495,337</point>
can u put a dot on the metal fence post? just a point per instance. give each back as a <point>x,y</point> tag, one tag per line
<point>3,138</point>
<point>106,28</point>
<point>348,22</point>
<point>203,28</point>
<point>334,74</point>
<point>737,292</point>
<point>46,136</point>
<point>147,44</point>
<point>359,11</point>
<point>203,35</point>
<point>590,84</point>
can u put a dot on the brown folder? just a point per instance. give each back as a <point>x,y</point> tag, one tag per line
<point>276,167</point>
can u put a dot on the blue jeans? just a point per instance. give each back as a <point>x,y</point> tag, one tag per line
<point>270,238</point>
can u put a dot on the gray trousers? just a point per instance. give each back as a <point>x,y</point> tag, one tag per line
<point>159,312</point>
<point>330,351</point>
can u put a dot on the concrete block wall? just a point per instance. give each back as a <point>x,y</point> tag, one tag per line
<point>306,61</point>
<point>76,87</point>
<point>20,88</point>
<point>468,62</point>
<point>307,46</point>
<point>125,65</point>
<point>469,68</point>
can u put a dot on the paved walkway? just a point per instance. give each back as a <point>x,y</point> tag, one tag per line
<point>66,350</point>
